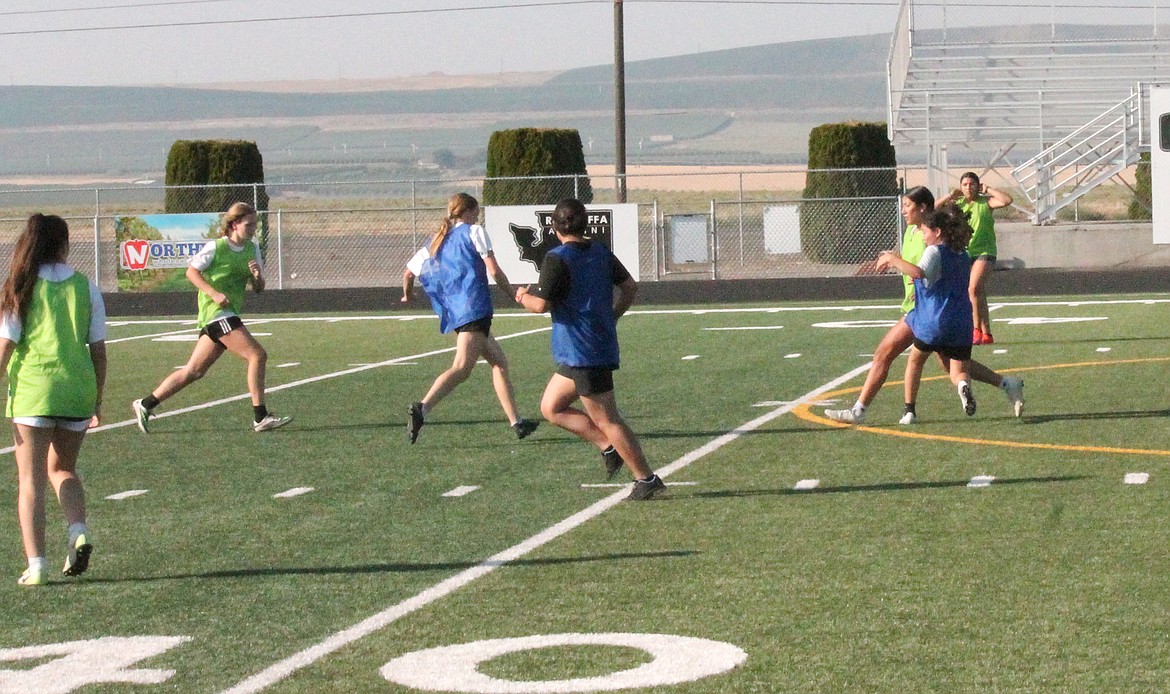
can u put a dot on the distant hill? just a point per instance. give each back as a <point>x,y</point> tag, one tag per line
<point>748,105</point>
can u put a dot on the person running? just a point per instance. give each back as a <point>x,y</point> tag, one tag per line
<point>221,271</point>
<point>453,270</point>
<point>576,286</point>
<point>917,202</point>
<point>53,350</point>
<point>941,318</point>
<point>978,200</point>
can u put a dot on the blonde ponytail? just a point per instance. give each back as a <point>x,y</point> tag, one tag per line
<point>457,204</point>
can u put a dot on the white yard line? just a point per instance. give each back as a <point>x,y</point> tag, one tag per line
<point>280,670</point>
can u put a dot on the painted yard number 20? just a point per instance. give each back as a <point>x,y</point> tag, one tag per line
<point>110,660</point>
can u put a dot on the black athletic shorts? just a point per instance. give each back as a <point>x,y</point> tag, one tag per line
<point>483,325</point>
<point>590,380</point>
<point>218,328</point>
<point>960,352</point>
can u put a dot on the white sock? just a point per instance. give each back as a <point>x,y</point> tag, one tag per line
<point>961,385</point>
<point>75,530</point>
<point>36,564</point>
<point>858,408</point>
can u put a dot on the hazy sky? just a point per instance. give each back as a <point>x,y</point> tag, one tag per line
<point>395,38</point>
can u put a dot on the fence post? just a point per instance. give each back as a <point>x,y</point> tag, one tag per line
<point>654,236</point>
<point>97,236</point>
<point>279,249</point>
<point>741,219</point>
<point>714,245</point>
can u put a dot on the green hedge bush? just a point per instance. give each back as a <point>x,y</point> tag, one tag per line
<point>841,161</point>
<point>535,152</point>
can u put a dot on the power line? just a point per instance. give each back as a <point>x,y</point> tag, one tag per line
<point>470,8</point>
<point>259,20</point>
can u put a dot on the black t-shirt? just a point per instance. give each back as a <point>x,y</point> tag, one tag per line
<point>554,274</point>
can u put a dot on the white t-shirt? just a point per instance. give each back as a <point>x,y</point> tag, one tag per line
<point>10,325</point>
<point>479,239</point>
<point>931,264</point>
<point>202,260</point>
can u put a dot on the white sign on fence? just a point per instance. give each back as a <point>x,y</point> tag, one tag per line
<point>522,234</point>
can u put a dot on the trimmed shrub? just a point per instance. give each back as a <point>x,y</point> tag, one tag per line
<point>1143,192</point>
<point>842,158</point>
<point>210,163</point>
<point>535,152</point>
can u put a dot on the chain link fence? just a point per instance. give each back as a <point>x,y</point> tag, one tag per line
<point>716,223</point>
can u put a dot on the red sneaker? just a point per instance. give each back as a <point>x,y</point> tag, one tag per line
<point>977,337</point>
<point>988,339</point>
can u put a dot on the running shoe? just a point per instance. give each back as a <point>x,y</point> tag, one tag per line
<point>142,415</point>
<point>1014,387</point>
<point>846,416</point>
<point>270,422</point>
<point>646,489</point>
<point>77,561</point>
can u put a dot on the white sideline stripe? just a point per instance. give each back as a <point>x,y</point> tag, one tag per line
<point>292,384</point>
<point>278,671</point>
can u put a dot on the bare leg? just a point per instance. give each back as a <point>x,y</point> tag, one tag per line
<point>895,341</point>
<point>557,407</point>
<point>63,453</point>
<point>494,355</point>
<point>914,366</point>
<point>602,409</point>
<point>32,450</point>
<point>468,348</point>
<point>206,353</point>
<point>241,343</point>
<point>978,293</point>
<point>976,370</point>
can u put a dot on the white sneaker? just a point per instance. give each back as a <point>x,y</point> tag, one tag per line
<point>967,398</point>
<point>271,422</point>
<point>846,416</point>
<point>142,415</point>
<point>1014,387</point>
<point>908,418</point>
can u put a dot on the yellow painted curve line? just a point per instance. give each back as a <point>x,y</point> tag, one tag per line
<point>804,412</point>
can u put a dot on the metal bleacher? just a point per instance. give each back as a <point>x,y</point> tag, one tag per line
<point>1062,104</point>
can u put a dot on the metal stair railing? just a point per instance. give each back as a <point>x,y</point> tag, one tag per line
<point>1087,157</point>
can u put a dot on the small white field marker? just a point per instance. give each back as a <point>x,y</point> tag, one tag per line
<point>690,357</point>
<point>193,337</point>
<point>999,351</point>
<point>980,481</point>
<point>794,355</point>
<point>805,485</point>
<point>285,366</point>
<point>1137,477</point>
<point>295,491</point>
<point>127,494</point>
<point>1104,349</point>
<point>461,491</point>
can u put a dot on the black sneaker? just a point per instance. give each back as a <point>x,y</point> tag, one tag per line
<point>524,427</point>
<point>613,462</point>
<point>645,489</point>
<point>414,421</point>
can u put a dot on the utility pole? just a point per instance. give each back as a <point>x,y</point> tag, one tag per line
<point>619,102</point>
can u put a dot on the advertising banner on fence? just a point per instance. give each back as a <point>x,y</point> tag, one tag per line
<point>154,249</point>
<point>522,234</point>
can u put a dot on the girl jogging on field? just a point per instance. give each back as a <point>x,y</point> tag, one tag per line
<point>453,269</point>
<point>978,200</point>
<point>52,347</point>
<point>221,271</point>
